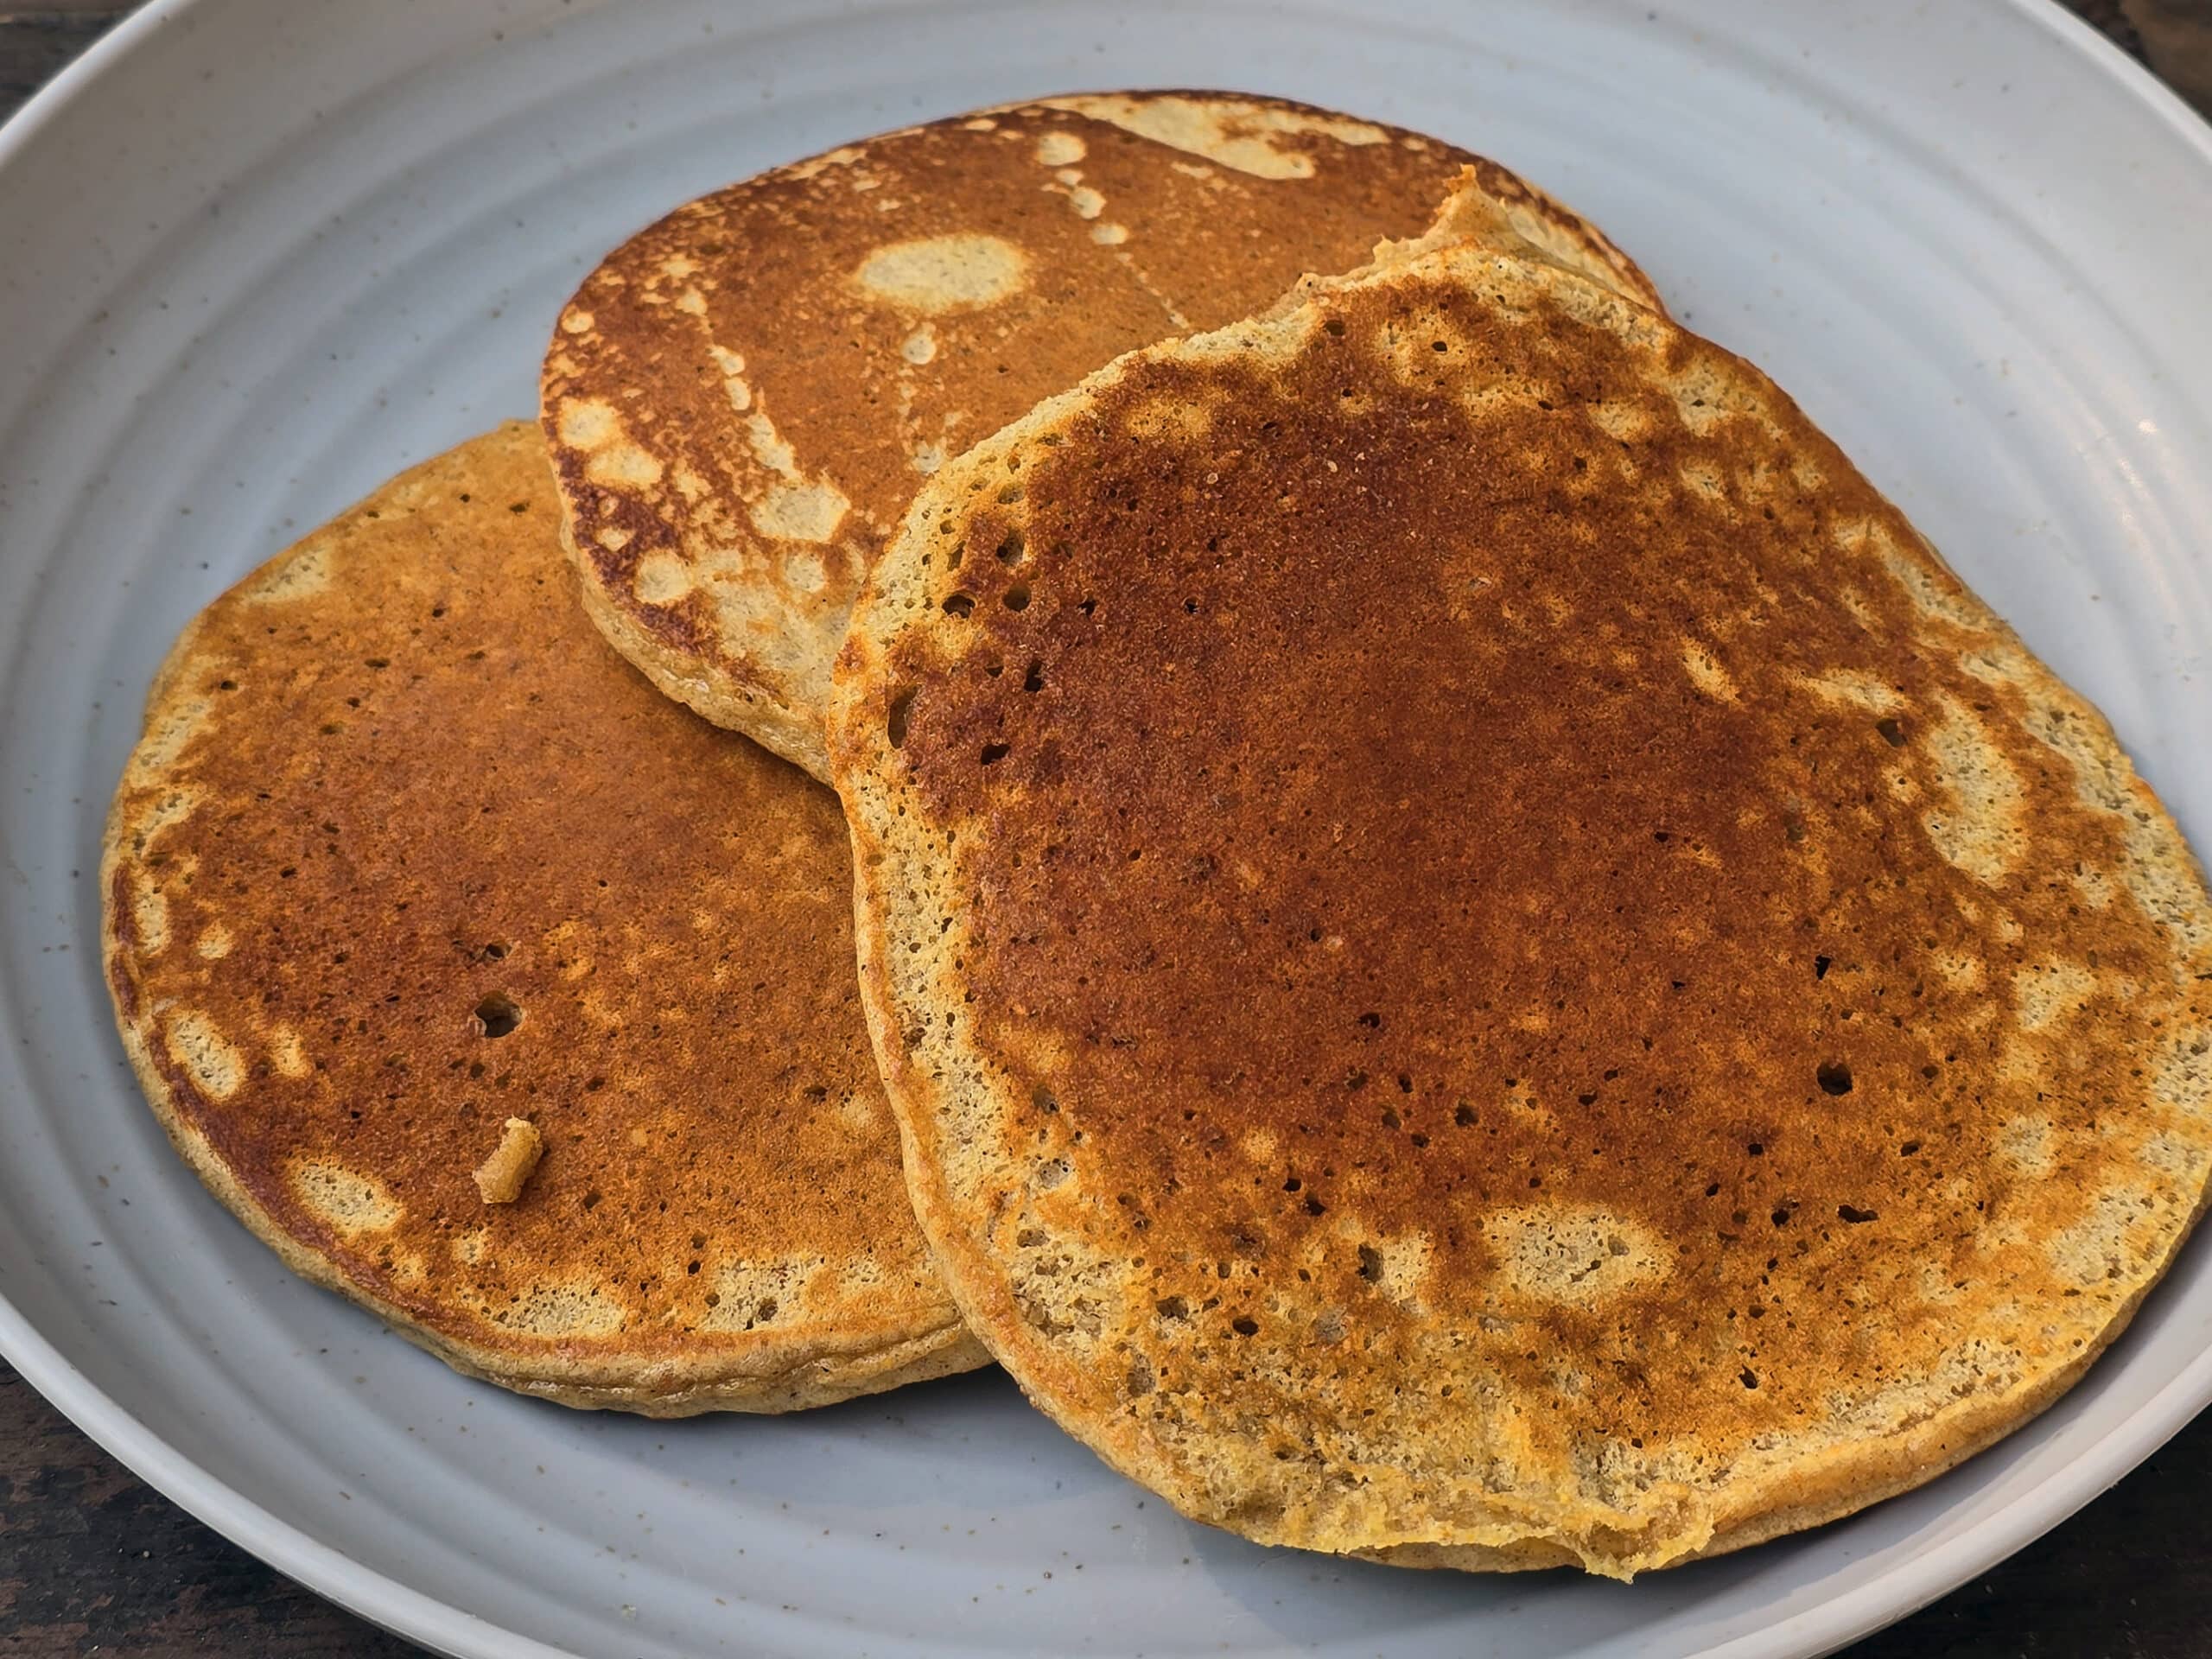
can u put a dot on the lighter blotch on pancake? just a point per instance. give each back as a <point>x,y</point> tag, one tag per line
<point>844,155</point>
<point>2095,887</point>
<point>1853,687</point>
<point>808,512</point>
<point>347,1200</point>
<point>563,1312</point>
<point>770,447</point>
<point>2183,1081</point>
<point>1704,482</point>
<point>1706,672</point>
<point>149,914</point>
<point>2043,995</point>
<point>1626,422</point>
<point>2166,887</point>
<point>1980,833</point>
<point>2099,1246</point>
<point>755,1293</point>
<point>663,579</point>
<point>2025,1143</point>
<point>288,1053</point>
<point>214,943</point>
<point>1569,1256</point>
<point>1960,972</point>
<point>589,423</point>
<point>1398,1265</point>
<point>732,367</point>
<point>2175,1155</point>
<point>862,1115</point>
<point>804,572</point>
<point>610,458</point>
<point>178,726</point>
<point>799,508</point>
<point>1225,131</point>
<point>1937,600</point>
<point>1058,148</point>
<point>1186,418</point>
<point>936,274</point>
<point>215,1067</point>
<point>625,465</point>
<point>300,578</point>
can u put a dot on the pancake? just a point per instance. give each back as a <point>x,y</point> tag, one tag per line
<point>1484,959</point>
<point>741,400</point>
<point>499,994</point>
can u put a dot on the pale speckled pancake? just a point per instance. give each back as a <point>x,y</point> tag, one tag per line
<point>741,400</point>
<point>1484,959</point>
<point>405,852</point>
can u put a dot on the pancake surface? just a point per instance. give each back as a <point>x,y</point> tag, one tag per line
<point>742,399</point>
<point>1484,959</point>
<point>406,852</point>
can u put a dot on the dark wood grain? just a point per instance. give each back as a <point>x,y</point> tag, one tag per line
<point>92,1560</point>
<point>34,45</point>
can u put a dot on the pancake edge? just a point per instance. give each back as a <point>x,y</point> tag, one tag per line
<point>718,692</point>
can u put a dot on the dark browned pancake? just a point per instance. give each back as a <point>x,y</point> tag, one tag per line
<point>407,857</point>
<point>742,399</point>
<point>1484,958</point>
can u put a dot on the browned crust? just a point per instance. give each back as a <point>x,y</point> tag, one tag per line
<point>2043,879</point>
<point>737,414</point>
<point>224,944</point>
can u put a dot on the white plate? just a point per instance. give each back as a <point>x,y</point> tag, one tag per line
<point>259,254</point>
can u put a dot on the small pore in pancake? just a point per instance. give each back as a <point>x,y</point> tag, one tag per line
<point>498,1014</point>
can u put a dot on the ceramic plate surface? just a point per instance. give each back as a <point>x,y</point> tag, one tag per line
<point>260,254</point>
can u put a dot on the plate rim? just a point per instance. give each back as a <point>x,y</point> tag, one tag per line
<point>418,1616</point>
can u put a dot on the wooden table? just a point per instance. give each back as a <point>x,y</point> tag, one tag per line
<point>92,1560</point>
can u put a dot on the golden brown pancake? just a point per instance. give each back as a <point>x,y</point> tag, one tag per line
<point>1484,959</point>
<point>498,993</point>
<point>742,399</point>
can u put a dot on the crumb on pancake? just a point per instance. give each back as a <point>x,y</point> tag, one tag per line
<point>502,1176</point>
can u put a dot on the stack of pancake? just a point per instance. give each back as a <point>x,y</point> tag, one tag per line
<point>1469,952</point>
